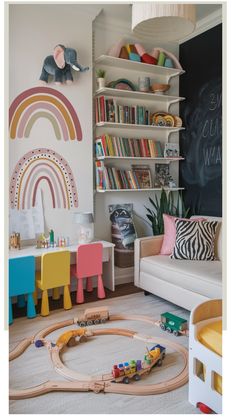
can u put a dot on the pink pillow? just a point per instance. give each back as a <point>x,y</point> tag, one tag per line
<point>170,233</point>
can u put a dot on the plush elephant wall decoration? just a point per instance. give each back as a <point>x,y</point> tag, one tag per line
<point>59,65</point>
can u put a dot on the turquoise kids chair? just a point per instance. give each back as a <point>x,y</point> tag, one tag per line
<point>21,282</point>
<point>88,264</point>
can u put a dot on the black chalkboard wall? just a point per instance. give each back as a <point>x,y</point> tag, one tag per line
<point>201,142</point>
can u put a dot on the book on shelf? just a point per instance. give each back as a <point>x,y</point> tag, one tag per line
<point>108,110</point>
<point>142,174</point>
<point>99,150</point>
<point>171,150</point>
<point>163,177</point>
<point>139,177</point>
<point>111,146</point>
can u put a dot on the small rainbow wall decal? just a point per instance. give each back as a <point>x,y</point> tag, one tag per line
<point>43,102</point>
<point>40,165</point>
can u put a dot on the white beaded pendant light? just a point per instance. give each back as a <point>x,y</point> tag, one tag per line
<point>163,21</point>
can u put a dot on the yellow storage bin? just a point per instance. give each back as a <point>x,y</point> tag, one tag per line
<point>211,337</point>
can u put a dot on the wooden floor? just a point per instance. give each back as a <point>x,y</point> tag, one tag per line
<point>89,297</point>
<point>96,357</point>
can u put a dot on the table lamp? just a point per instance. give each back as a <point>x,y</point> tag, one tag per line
<point>85,224</point>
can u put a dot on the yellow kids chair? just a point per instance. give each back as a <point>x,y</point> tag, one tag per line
<point>55,272</point>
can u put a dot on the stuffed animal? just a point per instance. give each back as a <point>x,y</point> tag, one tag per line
<point>59,65</point>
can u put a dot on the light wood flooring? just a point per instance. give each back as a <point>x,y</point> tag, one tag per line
<point>95,357</point>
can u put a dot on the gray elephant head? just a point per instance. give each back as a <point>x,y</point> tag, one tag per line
<point>63,56</point>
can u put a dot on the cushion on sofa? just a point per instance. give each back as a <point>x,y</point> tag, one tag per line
<point>203,277</point>
<point>195,240</point>
<point>170,233</point>
<point>218,238</point>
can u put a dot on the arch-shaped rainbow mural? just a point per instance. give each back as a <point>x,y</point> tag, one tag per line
<point>41,102</point>
<point>42,164</point>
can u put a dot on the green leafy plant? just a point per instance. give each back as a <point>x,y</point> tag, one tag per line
<point>165,206</point>
<point>100,73</point>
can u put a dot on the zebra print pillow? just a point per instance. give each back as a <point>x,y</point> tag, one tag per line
<point>194,240</point>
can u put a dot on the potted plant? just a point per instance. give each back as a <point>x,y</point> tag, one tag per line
<point>165,206</point>
<point>100,73</point>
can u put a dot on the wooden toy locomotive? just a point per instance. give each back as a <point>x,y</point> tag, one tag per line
<point>93,316</point>
<point>173,324</point>
<point>134,369</point>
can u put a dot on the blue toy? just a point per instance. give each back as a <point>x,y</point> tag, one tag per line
<point>22,281</point>
<point>59,65</point>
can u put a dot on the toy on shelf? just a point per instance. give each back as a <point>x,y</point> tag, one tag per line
<point>105,382</point>
<point>59,65</point>
<point>173,324</point>
<point>136,52</point>
<point>94,316</point>
<point>135,369</point>
<point>14,241</point>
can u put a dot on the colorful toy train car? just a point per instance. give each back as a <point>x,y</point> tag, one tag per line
<point>173,324</point>
<point>93,316</point>
<point>123,372</point>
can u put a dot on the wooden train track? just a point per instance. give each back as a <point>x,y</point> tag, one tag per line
<point>102,383</point>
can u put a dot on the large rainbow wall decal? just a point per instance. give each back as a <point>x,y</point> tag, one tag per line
<point>34,167</point>
<point>43,102</point>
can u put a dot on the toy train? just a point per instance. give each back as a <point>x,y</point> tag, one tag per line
<point>93,316</point>
<point>134,369</point>
<point>173,324</point>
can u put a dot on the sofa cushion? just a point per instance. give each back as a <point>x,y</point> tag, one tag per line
<point>168,243</point>
<point>203,277</point>
<point>218,239</point>
<point>195,240</point>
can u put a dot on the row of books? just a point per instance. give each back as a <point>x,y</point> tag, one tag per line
<point>107,110</point>
<point>139,177</point>
<point>108,145</point>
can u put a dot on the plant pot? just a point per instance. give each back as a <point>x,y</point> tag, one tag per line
<point>101,83</point>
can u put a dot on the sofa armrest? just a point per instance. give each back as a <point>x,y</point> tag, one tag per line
<point>145,246</point>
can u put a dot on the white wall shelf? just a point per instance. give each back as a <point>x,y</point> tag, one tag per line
<point>138,126</point>
<point>137,66</point>
<point>162,159</point>
<point>139,190</point>
<point>169,100</point>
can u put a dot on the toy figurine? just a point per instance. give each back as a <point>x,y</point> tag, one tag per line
<point>59,65</point>
<point>15,241</point>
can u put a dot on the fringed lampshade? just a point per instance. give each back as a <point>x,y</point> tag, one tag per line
<point>163,22</point>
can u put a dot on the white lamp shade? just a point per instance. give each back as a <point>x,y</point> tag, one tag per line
<point>163,22</point>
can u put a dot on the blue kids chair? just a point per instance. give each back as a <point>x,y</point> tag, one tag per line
<point>22,281</point>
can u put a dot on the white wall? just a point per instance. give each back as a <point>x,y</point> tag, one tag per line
<point>34,30</point>
<point>106,33</point>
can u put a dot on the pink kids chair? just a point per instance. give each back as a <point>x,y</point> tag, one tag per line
<point>88,264</point>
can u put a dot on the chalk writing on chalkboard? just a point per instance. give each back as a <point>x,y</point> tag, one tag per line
<point>202,138</point>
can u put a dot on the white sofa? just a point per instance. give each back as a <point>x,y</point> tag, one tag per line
<point>186,283</point>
